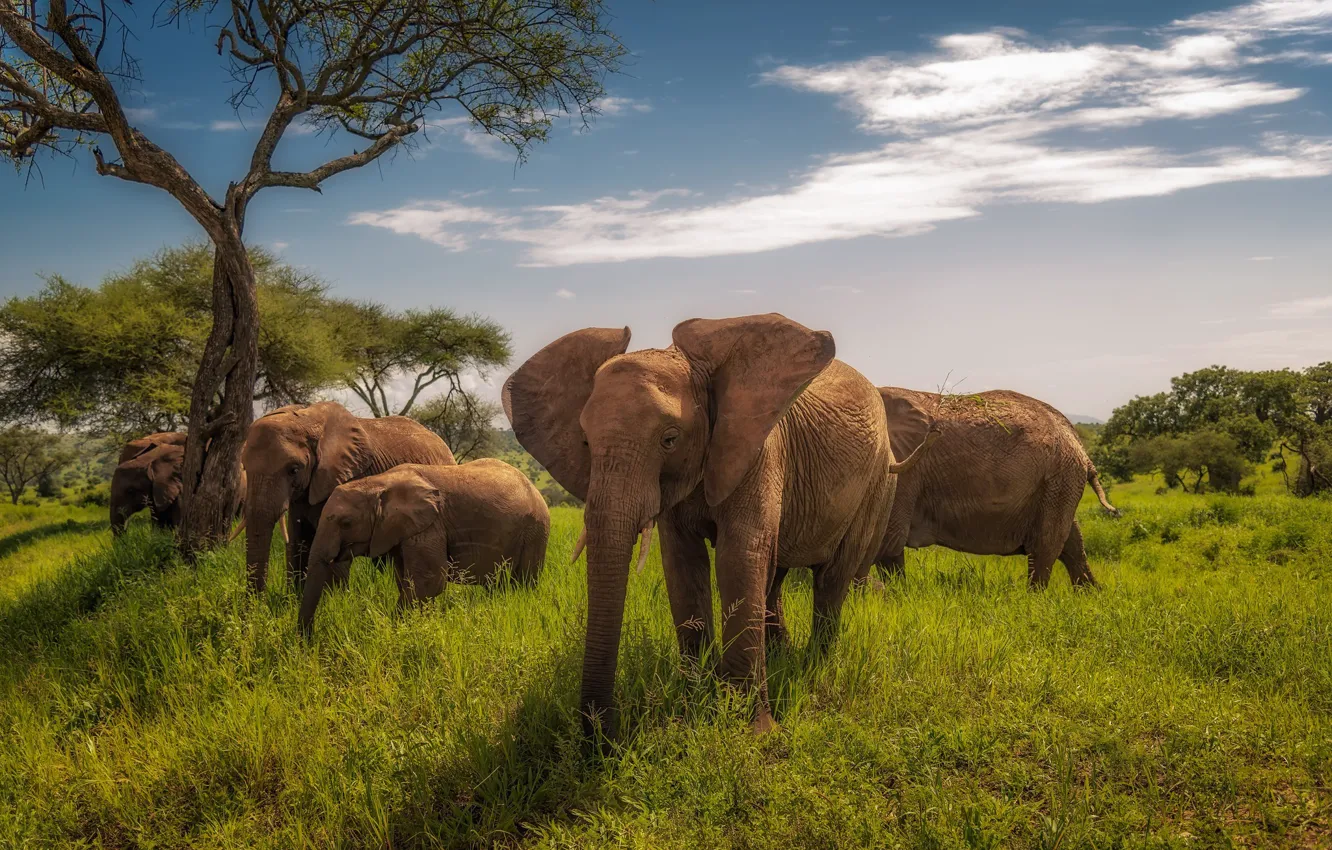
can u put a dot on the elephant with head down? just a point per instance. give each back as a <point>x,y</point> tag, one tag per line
<point>295,456</point>
<point>745,432</point>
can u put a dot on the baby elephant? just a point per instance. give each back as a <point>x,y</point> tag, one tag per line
<point>438,523</point>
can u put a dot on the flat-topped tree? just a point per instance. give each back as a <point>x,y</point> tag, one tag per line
<point>374,69</point>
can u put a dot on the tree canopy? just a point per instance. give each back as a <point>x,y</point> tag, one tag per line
<point>1216,422</point>
<point>119,359</point>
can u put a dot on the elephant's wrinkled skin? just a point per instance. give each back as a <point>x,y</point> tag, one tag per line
<point>1004,477</point>
<point>745,432</point>
<point>296,455</point>
<point>150,479</point>
<point>438,523</point>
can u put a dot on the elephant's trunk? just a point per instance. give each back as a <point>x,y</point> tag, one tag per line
<point>118,518</point>
<point>316,578</point>
<point>622,498</point>
<point>261,514</point>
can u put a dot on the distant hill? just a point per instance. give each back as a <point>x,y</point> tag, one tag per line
<point>1082,419</point>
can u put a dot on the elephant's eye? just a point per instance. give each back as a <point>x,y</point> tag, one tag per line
<point>293,469</point>
<point>669,439</point>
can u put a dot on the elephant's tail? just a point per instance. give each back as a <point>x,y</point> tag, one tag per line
<point>1095,481</point>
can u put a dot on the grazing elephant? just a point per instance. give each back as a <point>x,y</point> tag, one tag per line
<point>296,455</point>
<point>150,479</point>
<point>1004,478</point>
<point>438,523</point>
<point>134,448</point>
<point>746,433</point>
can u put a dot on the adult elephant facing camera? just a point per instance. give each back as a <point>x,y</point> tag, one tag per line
<point>296,455</point>
<point>745,432</point>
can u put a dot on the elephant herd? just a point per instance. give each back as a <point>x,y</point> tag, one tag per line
<point>746,434</point>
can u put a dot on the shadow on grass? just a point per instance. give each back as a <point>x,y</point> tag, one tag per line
<point>535,768</point>
<point>39,615</point>
<point>13,542</point>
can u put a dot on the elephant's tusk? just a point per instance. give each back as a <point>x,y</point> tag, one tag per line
<point>239,529</point>
<point>282,526</point>
<point>644,545</point>
<point>579,546</point>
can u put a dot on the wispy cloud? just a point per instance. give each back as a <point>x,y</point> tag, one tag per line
<point>1261,259</point>
<point>743,291</point>
<point>1301,308</point>
<point>565,294</point>
<point>983,119</point>
<point>281,246</point>
<point>852,290</point>
<point>141,114</point>
<point>442,222</point>
<point>229,126</point>
<point>524,191</point>
<point>620,105</point>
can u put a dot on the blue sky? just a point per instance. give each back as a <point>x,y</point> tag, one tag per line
<point>1077,201</point>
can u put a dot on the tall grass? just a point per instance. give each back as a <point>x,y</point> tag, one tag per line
<point>1187,703</point>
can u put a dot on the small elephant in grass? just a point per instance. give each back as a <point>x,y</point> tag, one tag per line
<point>1004,478</point>
<point>437,523</point>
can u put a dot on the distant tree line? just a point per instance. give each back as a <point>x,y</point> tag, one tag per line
<point>1215,424</point>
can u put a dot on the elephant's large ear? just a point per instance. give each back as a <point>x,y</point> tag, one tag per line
<point>758,365</point>
<point>164,472</point>
<point>342,449</point>
<point>407,507</point>
<point>545,396</point>
<point>908,422</point>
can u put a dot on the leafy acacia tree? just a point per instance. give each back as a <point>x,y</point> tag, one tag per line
<point>120,359</point>
<point>27,456</point>
<point>373,69</point>
<point>1216,421</point>
<point>417,349</point>
<point>463,421</point>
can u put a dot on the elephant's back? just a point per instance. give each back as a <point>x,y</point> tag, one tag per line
<point>491,487</point>
<point>982,482</point>
<point>410,441</point>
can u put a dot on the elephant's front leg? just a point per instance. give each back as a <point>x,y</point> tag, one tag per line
<point>746,556</point>
<point>421,566</point>
<point>300,538</point>
<point>688,571</point>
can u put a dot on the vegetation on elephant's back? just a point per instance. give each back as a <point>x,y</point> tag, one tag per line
<point>1188,702</point>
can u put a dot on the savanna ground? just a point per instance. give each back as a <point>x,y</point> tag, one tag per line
<point>1188,703</point>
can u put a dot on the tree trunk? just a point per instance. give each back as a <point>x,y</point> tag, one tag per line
<point>210,477</point>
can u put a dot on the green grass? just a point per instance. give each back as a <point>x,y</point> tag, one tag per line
<point>1186,704</point>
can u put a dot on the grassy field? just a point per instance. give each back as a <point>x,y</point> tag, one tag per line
<point>1186,704</point>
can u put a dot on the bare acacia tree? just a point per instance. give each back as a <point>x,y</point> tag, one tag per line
<point>373,69</point>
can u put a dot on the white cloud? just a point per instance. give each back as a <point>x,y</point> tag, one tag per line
<point>565,294</point>
<point>743,291</point>
<point>281,246</point>
<point>852,290</point>
<point>524,191</point>
<point>1301,308</point>
<point>143,114</point>
<point>619,105</point>
<point>226,126</point>
<point>1263,259</point>
<point>183,125</point>
<point>443,222</point>
<point>1226,321</point>
<point>983,119</point>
